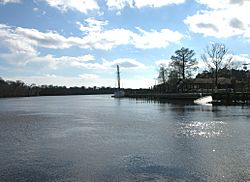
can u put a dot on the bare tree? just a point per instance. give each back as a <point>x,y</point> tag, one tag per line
<point>163,77</point>
<point>216,57</point>
<point>183,62</point>
<point>163,74</point>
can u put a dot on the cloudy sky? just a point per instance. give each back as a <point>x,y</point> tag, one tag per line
<point>79,42</point>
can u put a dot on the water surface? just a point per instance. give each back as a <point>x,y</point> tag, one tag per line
<point>98,138</point>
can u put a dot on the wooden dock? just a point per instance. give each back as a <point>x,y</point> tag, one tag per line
<point>167,96</point>
<point>232,98</point>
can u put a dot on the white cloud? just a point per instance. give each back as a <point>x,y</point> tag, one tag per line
<point>22,47</point>
<point>221,4</point>
<point>120,4</point>
<point>156,4</point>
<point>107,39</point>
<point>36,38</point>
<point>24,40</point>
<point>162,62</point>
<point>37,10</point>
<point>118,13</point>
<point>93,25</point>
<point>155,39</point>
<point>82,6</point>
<point>125,63</point>
<point>63,61</point>
<point>28,40</point>
<point>9,1</point>
<point>25,58</point>
<point>14,41</point>
<point>221,19</point>
<point>49,61</point>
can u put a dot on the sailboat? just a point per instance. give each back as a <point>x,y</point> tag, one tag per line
<point>119,92</point>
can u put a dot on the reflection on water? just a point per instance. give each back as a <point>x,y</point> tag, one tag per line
<point>161,101</point>
<point>98,138</point>
<point>205,129</point>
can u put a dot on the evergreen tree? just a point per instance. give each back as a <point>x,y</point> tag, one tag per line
<point>183,62</point>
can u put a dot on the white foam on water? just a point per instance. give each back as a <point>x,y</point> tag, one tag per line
<point>204,100</point>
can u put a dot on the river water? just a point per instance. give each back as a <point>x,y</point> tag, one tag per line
<point>99,138</point>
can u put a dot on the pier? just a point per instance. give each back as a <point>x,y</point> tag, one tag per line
<point>232,98</point>
<point>168,96</point>
<point>224,98</point>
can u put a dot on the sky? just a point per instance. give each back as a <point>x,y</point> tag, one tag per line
<point>80,42</point>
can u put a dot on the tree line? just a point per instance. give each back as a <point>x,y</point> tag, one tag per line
<point>220,71</point>
<point>20,89</point>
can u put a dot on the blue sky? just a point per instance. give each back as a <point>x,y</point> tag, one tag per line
<point>80,42</point>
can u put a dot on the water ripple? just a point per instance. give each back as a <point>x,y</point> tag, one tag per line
<point>207,129</point>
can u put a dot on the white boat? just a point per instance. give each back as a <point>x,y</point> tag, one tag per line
<point>119,93</point>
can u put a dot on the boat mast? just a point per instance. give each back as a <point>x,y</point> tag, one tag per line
<point>118,76</point>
